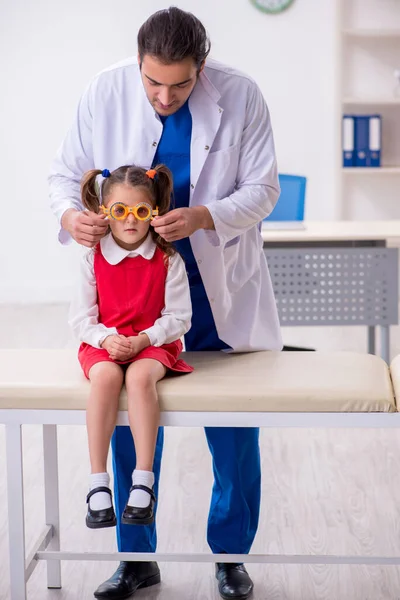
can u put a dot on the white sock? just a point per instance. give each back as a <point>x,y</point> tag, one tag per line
<point>101,500</point>
<point>140,498</point>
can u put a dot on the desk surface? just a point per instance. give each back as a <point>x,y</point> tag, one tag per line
<point>327,231</point>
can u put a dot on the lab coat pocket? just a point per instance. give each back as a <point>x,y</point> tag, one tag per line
<point>230,254</point>
<point>241,260</point>
<point>220,171</point>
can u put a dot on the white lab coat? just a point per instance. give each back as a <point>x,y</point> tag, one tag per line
<point>233,173</point>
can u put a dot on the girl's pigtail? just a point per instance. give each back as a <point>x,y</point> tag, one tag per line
<point>163,188</point>
<point>90,193</point>
<point>163,185</point>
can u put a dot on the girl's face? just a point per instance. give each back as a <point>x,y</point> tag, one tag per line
<point>130,232</point>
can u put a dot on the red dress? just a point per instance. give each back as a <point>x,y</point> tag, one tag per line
<point>130,297</point>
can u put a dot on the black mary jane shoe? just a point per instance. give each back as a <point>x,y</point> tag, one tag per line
<point>98,519</point>
<point>134,515</point>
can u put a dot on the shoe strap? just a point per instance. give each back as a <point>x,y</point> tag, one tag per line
<point>98,489</point>
<point>145,489</point>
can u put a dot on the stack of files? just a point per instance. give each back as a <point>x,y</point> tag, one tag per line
<point>361,140</point>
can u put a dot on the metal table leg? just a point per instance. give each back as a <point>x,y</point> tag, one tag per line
<point>371,340</point>
<point>16,523</point>
<point>385,343</point>
<point>52,511</point>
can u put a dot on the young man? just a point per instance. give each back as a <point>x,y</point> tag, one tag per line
<point>210,125</point>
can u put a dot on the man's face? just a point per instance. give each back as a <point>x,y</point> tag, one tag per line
<point>168,86</point>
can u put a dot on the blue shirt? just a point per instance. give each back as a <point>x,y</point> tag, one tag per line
<point>174,152</point>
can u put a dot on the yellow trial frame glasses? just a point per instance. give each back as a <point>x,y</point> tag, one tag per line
<point>120,211</point>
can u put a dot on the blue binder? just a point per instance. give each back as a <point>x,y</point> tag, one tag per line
<point>361,141</point>
<point>375,140</point>
<point>348,141</point>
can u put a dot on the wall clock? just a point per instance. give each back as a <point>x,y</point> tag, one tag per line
<point>272,6</point>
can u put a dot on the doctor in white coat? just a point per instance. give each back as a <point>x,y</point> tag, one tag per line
<point>210,125</point>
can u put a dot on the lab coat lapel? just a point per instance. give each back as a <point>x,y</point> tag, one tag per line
<point>151,130</point>
<point>206,120</point>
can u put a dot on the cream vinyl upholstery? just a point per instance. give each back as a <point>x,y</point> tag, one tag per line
<point>253,382</point>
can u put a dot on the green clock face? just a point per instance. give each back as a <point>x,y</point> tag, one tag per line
<point>272,6</point>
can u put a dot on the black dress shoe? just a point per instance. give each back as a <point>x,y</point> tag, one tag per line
<point>133,515</point>
<point>129,577</point>
<point>233,581</point>
<point>98,519</point>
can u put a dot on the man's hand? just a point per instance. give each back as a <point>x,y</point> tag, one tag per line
<point>182,222</point>
<point>86,227</point>
<point>118,347</point>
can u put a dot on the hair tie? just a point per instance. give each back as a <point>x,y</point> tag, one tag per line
<point>106,173</point>
<point>151,174</point>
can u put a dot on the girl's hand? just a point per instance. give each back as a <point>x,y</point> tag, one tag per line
<point>118,347</point>
<point>138,343</point>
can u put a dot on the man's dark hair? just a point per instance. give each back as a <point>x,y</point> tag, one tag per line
<point>171,35</point>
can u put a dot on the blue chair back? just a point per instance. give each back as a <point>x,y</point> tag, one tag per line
<point>290,205</point>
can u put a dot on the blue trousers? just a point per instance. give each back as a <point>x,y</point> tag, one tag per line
<point>235,501</point>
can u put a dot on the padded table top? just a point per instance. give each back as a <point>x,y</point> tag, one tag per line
<point>251,382</point>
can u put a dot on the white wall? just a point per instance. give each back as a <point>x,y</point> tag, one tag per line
<point>50,49</point>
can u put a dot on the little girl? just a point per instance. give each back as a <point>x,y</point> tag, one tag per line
<point>130,310</point>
